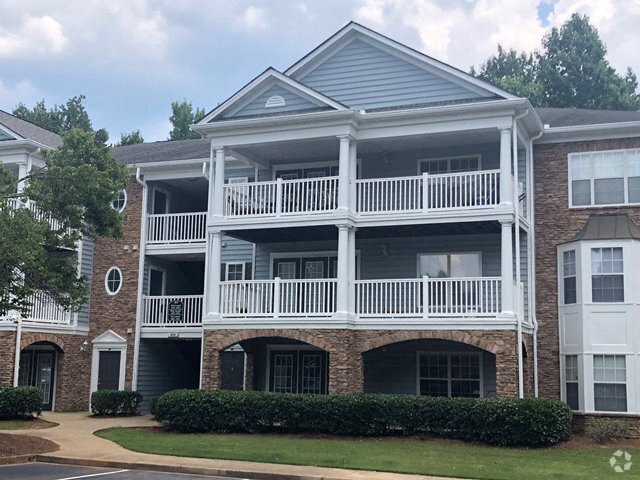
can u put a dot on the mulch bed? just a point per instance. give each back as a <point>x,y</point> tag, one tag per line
<point>11,445</point>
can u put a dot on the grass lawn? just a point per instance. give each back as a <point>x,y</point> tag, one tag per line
<point>29,424</point>
<point>406,455</point>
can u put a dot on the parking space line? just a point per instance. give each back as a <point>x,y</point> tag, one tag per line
<point>93,475</point>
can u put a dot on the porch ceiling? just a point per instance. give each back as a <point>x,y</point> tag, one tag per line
<point>330,232</point>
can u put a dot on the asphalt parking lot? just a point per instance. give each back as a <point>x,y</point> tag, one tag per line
<point>49,471</point>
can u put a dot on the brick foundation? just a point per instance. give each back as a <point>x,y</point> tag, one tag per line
<point>7,354</point>
<point>581,422</point>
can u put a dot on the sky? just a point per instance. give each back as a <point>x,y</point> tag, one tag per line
<point>132,58</point>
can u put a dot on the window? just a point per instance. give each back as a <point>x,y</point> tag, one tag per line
<point>113,280</point>
<point>450,265</point>
<point>235,271</point>
<point>569,276</point>
<point>604,178</point>
<point>571,380</point>
<point>121,201</point>
<point>610,388</point>
<point>450,375</point>
<point>449,165</point>
<point>607,279</point>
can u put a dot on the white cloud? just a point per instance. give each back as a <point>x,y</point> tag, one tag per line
<point>34,37</point>
<point>254,18</point>
<point>23,91</point>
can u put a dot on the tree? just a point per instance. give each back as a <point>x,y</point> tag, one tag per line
<point>72,195</point>
<point>60,118</point>
<point>130,138</point>
<point>182,116</point>
<point>570,71</point>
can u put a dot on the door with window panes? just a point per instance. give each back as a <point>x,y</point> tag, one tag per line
<point>298,371</point>
<point>305,297</point>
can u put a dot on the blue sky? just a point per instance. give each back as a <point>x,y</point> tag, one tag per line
<point>131,58</point>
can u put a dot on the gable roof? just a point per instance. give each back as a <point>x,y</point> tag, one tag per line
<point>572,117</point>
<point>608,227</point>
<point>24,130</point>
<point>354,31</point>
<point>163,151</point>
<point>261,84</point>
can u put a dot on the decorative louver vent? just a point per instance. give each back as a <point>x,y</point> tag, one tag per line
<point>275,101</point>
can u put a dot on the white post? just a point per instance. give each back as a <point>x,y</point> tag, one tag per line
<point>343,174</point>
<point>343,271</point>
<point>23,171</point>
<point>278,197</point>
<point>353,175</point>
<point>425,192</point>
<point>215,272</point>
<point>506,182</point>
<point>218,187</point>
<point>352,271</point>
<point>506,262</point>
<point>425,296</point>
<point>277,286</point>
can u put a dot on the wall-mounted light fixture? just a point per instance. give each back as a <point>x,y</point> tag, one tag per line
<point>384,250</point>
<point>83,347</point>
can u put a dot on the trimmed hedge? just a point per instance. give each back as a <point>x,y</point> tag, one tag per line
<point>531,422</point>
<point>20,402</point>
<point>115,402</point>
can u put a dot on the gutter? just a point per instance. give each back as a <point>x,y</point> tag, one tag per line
<point>140,306</point>
<point>586,132</point>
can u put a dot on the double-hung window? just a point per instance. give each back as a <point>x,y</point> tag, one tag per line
<point>569,277</point>
<point>604,178</point>
<point>607,277</point>
<point>610,383</point>
<point>450,375</point>
<point>571,380</point>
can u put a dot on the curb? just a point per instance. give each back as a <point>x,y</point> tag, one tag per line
<point>17,459</point>
<point>219,472</point>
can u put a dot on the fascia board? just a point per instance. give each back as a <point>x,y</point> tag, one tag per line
<point>579,133</point>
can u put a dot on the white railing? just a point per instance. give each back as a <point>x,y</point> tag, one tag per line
<point>428,192</point>
<point>428,297</point>
<point>45,310</point>
<point>278,297</point>
<point>177,228</point>
<point>172,311</point>
<point>281,197</point>
<point>16,203</point>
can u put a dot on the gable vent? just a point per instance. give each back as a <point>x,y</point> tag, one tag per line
<point>275,101</point>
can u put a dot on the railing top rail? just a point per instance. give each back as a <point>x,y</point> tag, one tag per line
<point>310,180</point>
<point>245,184</point>
<point>383,179</point>
<point>461,174</point>
<point>390,280</point>
<point>184,214</point>
<point>463,278</point>
<point>152,297</point>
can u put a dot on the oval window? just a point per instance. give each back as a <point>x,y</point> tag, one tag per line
<point>120,202</point>
<point>113,280</point>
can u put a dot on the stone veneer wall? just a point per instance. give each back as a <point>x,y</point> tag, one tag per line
<point>7,351</point>
<point>581,422</point>
<point>346,347</point>
<point>556,223</point>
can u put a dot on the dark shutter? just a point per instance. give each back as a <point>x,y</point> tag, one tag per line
<point>223,271</point>
<point>248,271</point>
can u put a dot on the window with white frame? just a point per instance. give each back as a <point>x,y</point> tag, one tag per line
<point>604,178</point>
<point>120,201</point>
<point>610,383</point>
<point>235,271</point>
<point>569,277</point>
<point>449,165</point>
<point>113,280</point>
<point>607,277</point>
<point>571,381</point>
<point>450,375</point>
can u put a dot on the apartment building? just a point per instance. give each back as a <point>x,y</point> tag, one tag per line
<point>367,221</point>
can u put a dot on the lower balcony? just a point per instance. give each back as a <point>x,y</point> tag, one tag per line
<point>166,311</point>
<point>45,311</point>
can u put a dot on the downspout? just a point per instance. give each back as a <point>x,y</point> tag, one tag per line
<point>140,306</point>
<point>516,205</point>
<point>16,359</point>
<point>532,283</point>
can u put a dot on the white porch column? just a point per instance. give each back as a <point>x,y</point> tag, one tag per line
<point>342,295</point>
<point>343,173</point>
<point>506,182</point>
<point>218,186</point>
<point>506,261</point>
<point>353,175</point>
<point>214,273</point>
<point>352,271</point>
<point>23,171</point>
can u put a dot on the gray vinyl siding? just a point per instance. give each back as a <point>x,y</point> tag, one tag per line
<point>250,173</point>
<point>394,369</point>
<point>293,102</point>
<point>363,76</point>
<point>166,365</point>
<point>524,269</point>
<point>86,270</point>
<point>234,250</point>
<point>402,258</point>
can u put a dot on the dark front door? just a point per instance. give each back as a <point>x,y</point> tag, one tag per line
<point>109,370</point>
<point>38,369</point>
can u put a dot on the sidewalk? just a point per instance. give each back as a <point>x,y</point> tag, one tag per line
<point>79,446</point>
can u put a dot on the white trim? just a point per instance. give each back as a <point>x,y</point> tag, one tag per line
<point>602,131</point>
<point>106,279</point>
<point>226,269</point>
<point>124,203</point>
<point>108,341</point>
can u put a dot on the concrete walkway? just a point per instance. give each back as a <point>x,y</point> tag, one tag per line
<point>79,446</point>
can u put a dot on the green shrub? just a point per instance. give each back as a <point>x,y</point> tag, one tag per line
<point>115,402</point>
<point>494,421</point>
<point>604,430</point>
<point>20,402</point>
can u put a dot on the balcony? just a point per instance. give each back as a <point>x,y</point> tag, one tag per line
<point>377,196</point>
<point>177,228</point>
<point>172,311</point>
<point>417,298</point>
<point>46,311</point>
<point>54,224</point>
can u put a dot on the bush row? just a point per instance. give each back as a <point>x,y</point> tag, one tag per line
<point>115,402</point>
<point>20,402</point>
<point>494,421</point>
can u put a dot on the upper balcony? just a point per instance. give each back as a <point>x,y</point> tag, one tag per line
<point>44,312</point>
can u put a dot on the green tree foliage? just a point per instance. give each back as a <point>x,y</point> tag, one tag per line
<point>73,194</point>
<point>182,116</point>
<point>132,138</point>
<point>60,118</point>
<point>570,71</point>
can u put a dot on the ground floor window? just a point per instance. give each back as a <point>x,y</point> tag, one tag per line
<point>571,381</point>
<point>298,371</point>
<point>450,374</point>
<point>610,383</point>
